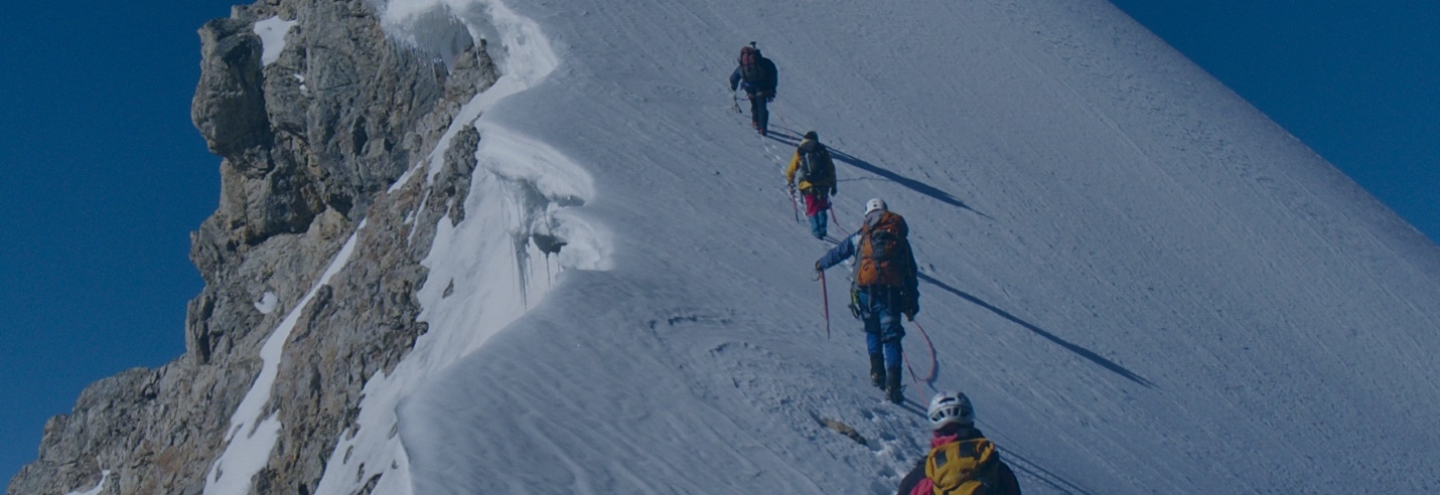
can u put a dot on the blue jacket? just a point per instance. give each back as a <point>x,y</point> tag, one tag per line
<point>839,253</point>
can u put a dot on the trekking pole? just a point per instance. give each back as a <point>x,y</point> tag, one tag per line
<point>794,206</point>
<point>825,299</point>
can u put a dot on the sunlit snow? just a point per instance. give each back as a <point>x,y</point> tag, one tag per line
<point>267,303</point>
<point>1144,285</point>
<point>272,36</point>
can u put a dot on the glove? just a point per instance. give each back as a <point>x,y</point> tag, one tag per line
<point>818,271</point>
<point>911,304</point>
<point>833,190</point>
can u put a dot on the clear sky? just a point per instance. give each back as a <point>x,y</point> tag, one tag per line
<point>105,176</point>
<point>1359,82</point>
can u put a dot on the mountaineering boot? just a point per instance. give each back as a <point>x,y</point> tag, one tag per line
<point>892,386</point>
<point>877,371</point>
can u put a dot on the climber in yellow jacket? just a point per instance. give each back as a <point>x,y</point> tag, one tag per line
<point>812,172</point>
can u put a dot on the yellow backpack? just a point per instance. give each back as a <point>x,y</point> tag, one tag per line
<point>958,468</point>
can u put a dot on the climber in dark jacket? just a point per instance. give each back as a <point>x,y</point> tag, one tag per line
<point>758,77</point>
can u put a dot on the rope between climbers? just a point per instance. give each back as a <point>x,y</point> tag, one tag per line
<point>934,365</point>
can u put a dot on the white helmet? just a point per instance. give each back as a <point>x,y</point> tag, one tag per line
<point>874,204</point>
<point>949,408</point>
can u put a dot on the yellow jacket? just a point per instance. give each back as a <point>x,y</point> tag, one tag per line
<point>795,166</point>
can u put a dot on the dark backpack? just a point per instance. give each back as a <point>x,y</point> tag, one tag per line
<point>751,70</point>
<point>815,166</point>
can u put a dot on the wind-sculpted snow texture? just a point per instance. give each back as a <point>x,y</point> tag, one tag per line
<point>1144,284</point>
<point>587,279</point>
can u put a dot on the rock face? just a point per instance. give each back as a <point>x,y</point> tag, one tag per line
<point>311,144</point>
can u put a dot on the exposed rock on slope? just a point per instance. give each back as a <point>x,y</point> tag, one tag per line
<point>311,144</point>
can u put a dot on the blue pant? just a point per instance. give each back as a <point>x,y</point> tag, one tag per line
<point>817,224</point>
<point>880,310</point>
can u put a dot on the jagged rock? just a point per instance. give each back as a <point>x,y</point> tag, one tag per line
<point>454,180</point>
<point>229,105</point>
<point>300,169</point>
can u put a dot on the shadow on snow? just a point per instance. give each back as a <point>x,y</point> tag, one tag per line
<point>791,137</point>
<point>1043,475</point>
<point>1083,352</point>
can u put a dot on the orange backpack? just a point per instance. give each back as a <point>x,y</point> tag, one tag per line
<point>882,251</point>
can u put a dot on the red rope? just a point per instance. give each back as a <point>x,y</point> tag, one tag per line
<point>914,380</point>
<point>773,109</point>
<point>825,298</point>
<point>845,233</point>
<point>934,366</point>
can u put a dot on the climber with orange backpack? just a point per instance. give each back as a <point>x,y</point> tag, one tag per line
<point>884,288</point>
<point>961,460</point>
<point>758,77</point>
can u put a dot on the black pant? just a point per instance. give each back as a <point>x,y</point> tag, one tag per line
<point>759,115</point>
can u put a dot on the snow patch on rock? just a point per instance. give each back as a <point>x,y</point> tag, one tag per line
<point>267,302</point>
<point>272,37</point>
<point>104,476</point>
<point>251,438</point>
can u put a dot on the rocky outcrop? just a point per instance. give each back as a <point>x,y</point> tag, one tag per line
<point>311,144</point>
<point>229,105</point>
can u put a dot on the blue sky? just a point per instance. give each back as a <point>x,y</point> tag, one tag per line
<point>105,176</point>
<point>1359,82</point>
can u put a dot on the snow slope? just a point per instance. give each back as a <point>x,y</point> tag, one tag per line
<point>1144,284</point>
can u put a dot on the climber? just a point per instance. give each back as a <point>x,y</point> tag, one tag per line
<point>758,77</point>
<point>813,173</point>
<point>961,459</point>
<point>885,287</point>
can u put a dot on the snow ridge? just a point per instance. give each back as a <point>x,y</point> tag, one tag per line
<point>1143,284</point>
<point>520,234</point>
